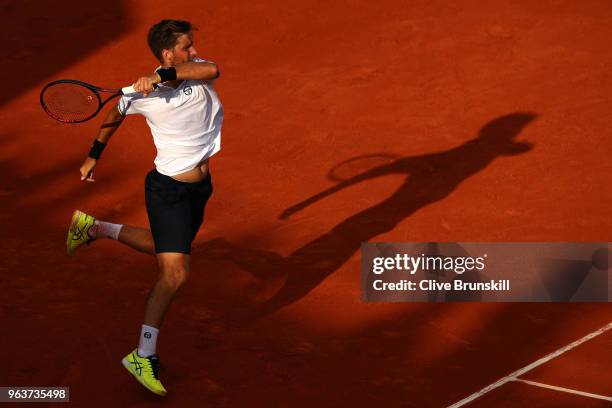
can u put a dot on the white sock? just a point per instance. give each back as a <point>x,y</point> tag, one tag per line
<point>148,341</point>
<point>106,230</point>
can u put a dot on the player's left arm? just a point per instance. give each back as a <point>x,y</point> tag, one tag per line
<point>198,71</point>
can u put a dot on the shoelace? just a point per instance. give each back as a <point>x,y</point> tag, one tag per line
<point>154,361</point>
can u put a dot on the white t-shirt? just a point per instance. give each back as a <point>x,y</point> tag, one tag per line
<point>185,123</point>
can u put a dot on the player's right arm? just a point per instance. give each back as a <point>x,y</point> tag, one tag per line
<point>111,123</point>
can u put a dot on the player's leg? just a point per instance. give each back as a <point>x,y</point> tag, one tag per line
<point>137,238</point>
<point>85,229</point>
<point>173,272</point>
<point>169,216</point>
<point>176,211</point>
<point>143,362</point>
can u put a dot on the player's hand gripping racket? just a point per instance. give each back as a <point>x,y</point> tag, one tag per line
<point>71,101</point>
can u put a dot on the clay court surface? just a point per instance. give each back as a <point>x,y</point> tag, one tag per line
<point>271,316</point>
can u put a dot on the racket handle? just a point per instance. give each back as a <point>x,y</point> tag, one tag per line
<point>128,90</point>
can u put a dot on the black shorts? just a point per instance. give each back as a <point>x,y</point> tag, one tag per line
<point>175,210</point>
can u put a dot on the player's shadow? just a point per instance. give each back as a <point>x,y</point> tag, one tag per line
<point>429,178</point>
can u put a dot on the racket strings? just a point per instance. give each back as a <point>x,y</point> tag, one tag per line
<point>69,102</point>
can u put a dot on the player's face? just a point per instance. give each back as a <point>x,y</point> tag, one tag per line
<point>183,50</point>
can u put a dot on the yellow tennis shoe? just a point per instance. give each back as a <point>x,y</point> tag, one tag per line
<point>146,371</point>
<point>78,233</point>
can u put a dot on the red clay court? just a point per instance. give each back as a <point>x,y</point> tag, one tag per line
<point>272,316</point>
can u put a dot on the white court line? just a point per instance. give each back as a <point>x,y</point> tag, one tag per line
<point>562,389</point>
<point>519,372</point>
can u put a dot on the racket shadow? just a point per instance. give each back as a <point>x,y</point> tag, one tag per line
<point>429,179</point>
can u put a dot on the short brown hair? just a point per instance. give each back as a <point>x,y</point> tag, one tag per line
<point>163,35</point>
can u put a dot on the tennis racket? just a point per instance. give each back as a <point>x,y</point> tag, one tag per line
<point>71,101</point>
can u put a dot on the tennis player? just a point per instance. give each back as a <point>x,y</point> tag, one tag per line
<point>185,116</point>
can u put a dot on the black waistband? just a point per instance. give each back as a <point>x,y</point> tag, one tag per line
<point>169,181</point>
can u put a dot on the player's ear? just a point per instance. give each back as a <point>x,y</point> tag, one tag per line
<point>167,56</point>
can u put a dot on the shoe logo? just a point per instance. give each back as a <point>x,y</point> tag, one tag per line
<point>137,364</point>
<point>80,232</point>
<point>147,335</point>
<point>187,91</point>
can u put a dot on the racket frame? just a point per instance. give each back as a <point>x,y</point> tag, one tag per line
<point>95,89</point>
<point>386,158</point>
